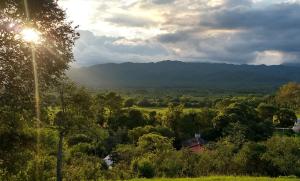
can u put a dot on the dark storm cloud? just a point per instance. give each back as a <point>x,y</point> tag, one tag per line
<point>173,37</point>
<point>247,32</point>
<point>274,28</point>
<point>274,18</point>
<point>91,49</point>
<point>232,31</point>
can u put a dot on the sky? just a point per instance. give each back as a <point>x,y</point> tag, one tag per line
<point>223,31</point>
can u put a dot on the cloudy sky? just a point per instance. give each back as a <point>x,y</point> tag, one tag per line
<point>228,31</point>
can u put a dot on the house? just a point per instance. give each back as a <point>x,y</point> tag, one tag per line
<point>195,144</point>
<point>108,160</point>
<point>296,127</point>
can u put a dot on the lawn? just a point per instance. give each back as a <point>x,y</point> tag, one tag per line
<point>224,178</point>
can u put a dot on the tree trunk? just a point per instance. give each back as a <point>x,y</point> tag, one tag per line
<point>59,157</point>
<point>61,139</point>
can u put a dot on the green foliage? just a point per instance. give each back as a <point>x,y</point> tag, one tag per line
<point>289,95</point>
<point>154,143</point>
<point>144,167</point>
<point>129,102</point>
<point>284,154</point>
<point>242,118</point>
<point>145,103</point>
<point>249,160</point>
<point>137,132</point>
<point>266,111</point>
<point>17,140</point>
<point>83,167</point>
<point>91,126</point>
<point>16,79</point>
<point>78,138</point>
<point>285,118</point>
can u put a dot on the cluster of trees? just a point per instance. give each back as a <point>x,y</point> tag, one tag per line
<point>79,129</point>
<point>273,157</point>
<point>187,101</point>
<point>197,98</point>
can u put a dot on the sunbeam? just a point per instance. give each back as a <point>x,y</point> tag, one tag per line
<point>33,36</point>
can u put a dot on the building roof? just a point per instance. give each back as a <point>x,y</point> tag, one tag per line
<point>197,149</point>
<point>193,142</point>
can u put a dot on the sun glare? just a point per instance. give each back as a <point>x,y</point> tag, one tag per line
<point>30,35</point>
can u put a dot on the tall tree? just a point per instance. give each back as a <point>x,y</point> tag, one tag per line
<point>285,118</point>
<point>242,118</point>
<point>289,95</point>
<point>52,55</point>
<point>75,114</point>
<point>266,111</point>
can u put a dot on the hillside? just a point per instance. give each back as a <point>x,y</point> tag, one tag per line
<point>175,74</point>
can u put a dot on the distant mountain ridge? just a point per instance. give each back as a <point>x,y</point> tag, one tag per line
<point>176,74</point>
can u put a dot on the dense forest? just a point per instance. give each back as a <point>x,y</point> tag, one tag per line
<point>107,136</point>
<point>176,74</point>
<point>53,129</point>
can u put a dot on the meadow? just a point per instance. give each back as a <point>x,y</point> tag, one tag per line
<point>223,178</point>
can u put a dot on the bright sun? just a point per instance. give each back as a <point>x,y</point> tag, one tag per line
<point>30,35</point>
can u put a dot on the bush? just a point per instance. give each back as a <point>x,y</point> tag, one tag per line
<point>144,167</point>
<point>284,154</point>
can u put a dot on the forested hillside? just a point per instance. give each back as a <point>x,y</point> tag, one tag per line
<point>189,75</point>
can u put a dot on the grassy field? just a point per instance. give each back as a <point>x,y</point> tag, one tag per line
<point>224,178</point>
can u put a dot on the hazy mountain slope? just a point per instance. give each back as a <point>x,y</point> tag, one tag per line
<point>181,75</point>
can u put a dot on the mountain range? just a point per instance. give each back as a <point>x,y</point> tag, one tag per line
<point>176,74</point>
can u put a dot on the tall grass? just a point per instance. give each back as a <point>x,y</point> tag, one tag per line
<point>223,178</point>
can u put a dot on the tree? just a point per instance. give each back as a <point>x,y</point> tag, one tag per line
<point>144,103</point>
<point>141,157</point>
<point>17,141</point>
<point>129,102</point>
<point>144,167</point>
<point>154,143</point>
<point>249,160</point>
<point>266,111</point>
<point>75,114</point>
<point>173,115</point>
<point>205,123</point>
<point>173,119</point>
<point>284,154</point>
<point>113,103</point>
<point>244,117</point>
<point>137,132</point>
<point>108,106</point>
<point>152,118</point>
<point>52,56</point>
<point>17,83</point>
<point>285,118</point>
<point>289,95</point>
